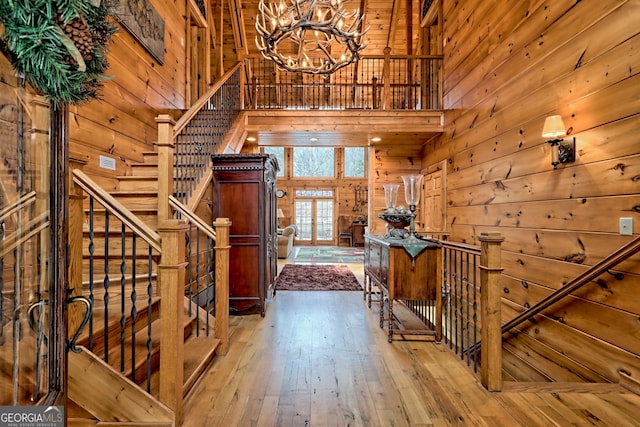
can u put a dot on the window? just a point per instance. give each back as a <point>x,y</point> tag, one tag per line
<point>313,162</point>
<point>354,162</point>
<point>279,153</point>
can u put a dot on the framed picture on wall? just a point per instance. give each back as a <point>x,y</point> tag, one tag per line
<point>145,24</point>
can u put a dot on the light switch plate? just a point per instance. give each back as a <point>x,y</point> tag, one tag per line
<point>626,226</point>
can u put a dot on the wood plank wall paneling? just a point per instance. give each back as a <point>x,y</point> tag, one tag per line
<point>507,67</point>
<point>229,54</point>
<point>122,124</point>
<point>388,164</point>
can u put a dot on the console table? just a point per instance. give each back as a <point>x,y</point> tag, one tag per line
<point>404,272</point>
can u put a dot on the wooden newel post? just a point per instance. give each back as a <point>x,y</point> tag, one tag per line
<point>243,84</point>
<point>171,279</point>
<point>165,146</point>
<point>386,78</point>
<point>76,220</point>
<point>222,226</point>
<point>254,92</point>
<point>490,272</point>
<point>374,93</point>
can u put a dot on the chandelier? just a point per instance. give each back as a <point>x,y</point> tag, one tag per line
<point>309,36</point>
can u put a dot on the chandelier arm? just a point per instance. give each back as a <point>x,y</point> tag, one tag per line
<point>292,22</point>
<point>326,52</point>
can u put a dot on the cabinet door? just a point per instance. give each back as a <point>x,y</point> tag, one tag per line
<point>373,255</point>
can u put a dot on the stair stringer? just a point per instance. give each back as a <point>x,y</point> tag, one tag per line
<point>234,138</point>
<point>110,397</point>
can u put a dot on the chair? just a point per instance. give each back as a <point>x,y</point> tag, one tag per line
<point>344,230</point>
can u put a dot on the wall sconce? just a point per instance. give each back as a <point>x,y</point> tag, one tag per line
<point>561,151</point>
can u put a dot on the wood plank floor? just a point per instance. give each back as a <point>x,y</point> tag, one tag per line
<point>320,359</point>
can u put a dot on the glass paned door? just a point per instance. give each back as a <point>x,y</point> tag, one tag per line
<point>32,333</point>
<point>314,218</point>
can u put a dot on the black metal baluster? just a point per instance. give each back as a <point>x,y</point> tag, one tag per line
<point>475,313</point>
<point>209,282</point>
<point>212,279</point>
<point>106,286</point>
<point>455,297</point>
<point>461,305</point>
<point>91,267</point>
<point>123,290</point>
<point>134,311</point>
<point>198,290</point>
<point>468,298</point>
<point>149,315</point>
<point>451,300</point>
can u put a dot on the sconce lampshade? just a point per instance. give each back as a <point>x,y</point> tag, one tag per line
<point>553,128</point>
<point>280,213</point>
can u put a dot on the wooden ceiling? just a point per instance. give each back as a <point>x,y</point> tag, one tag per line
<point>390,22</point>
<point>393,23</point>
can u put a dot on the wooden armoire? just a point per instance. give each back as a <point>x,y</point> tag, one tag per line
<point>244,191</point>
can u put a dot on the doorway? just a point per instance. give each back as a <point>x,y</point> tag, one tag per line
<point>313,212</point>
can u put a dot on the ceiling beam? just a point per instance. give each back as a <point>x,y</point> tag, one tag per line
<point>237,23</point>
<point>393,23</point>
<point>410,27</point>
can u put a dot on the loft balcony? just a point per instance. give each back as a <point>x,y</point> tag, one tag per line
<point>393,96</point>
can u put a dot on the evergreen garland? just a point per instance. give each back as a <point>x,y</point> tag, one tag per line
<point>59,46</point>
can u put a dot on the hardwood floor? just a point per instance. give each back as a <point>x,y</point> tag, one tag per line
<point>321,359</point>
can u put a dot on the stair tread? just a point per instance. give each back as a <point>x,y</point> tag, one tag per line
<point>137,178</point>
<point>198,355</point>
<point>141,341</point>
<point>119,193</point>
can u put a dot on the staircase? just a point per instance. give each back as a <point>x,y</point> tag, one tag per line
<point>122,341</point>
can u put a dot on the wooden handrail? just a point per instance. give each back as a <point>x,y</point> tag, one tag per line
<point>596,270</point>
<point>460,246</point>
<point>193,218</point>
<point>17,238</point>
<point>117,209</point>
<point>191,112</point>
<point>21,203</point>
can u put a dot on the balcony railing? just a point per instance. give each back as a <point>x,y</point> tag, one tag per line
<point>373,83</point>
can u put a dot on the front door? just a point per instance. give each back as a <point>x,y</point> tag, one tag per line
<point>314,217</point>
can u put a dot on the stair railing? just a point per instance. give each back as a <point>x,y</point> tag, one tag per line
<point>119,283</point>
<point>383,82</point>
<point>199,133</point>
<point>184,158</point>
<point>471,305</point>
<point>573,285</point>
<point>492,330</point>
<point>210,286</point>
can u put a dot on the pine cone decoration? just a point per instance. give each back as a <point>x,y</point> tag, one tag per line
<point>78,32</point>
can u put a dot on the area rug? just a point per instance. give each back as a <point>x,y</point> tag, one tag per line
<point>326,254</point>
<point>302,277</point>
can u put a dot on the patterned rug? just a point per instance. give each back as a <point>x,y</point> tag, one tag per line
<point>302,277</point>
<point>328,254</point>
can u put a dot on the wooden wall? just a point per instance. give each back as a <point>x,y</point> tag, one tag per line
<point>508,65</point>
<point>122,124</point>
<point>388,164</point>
